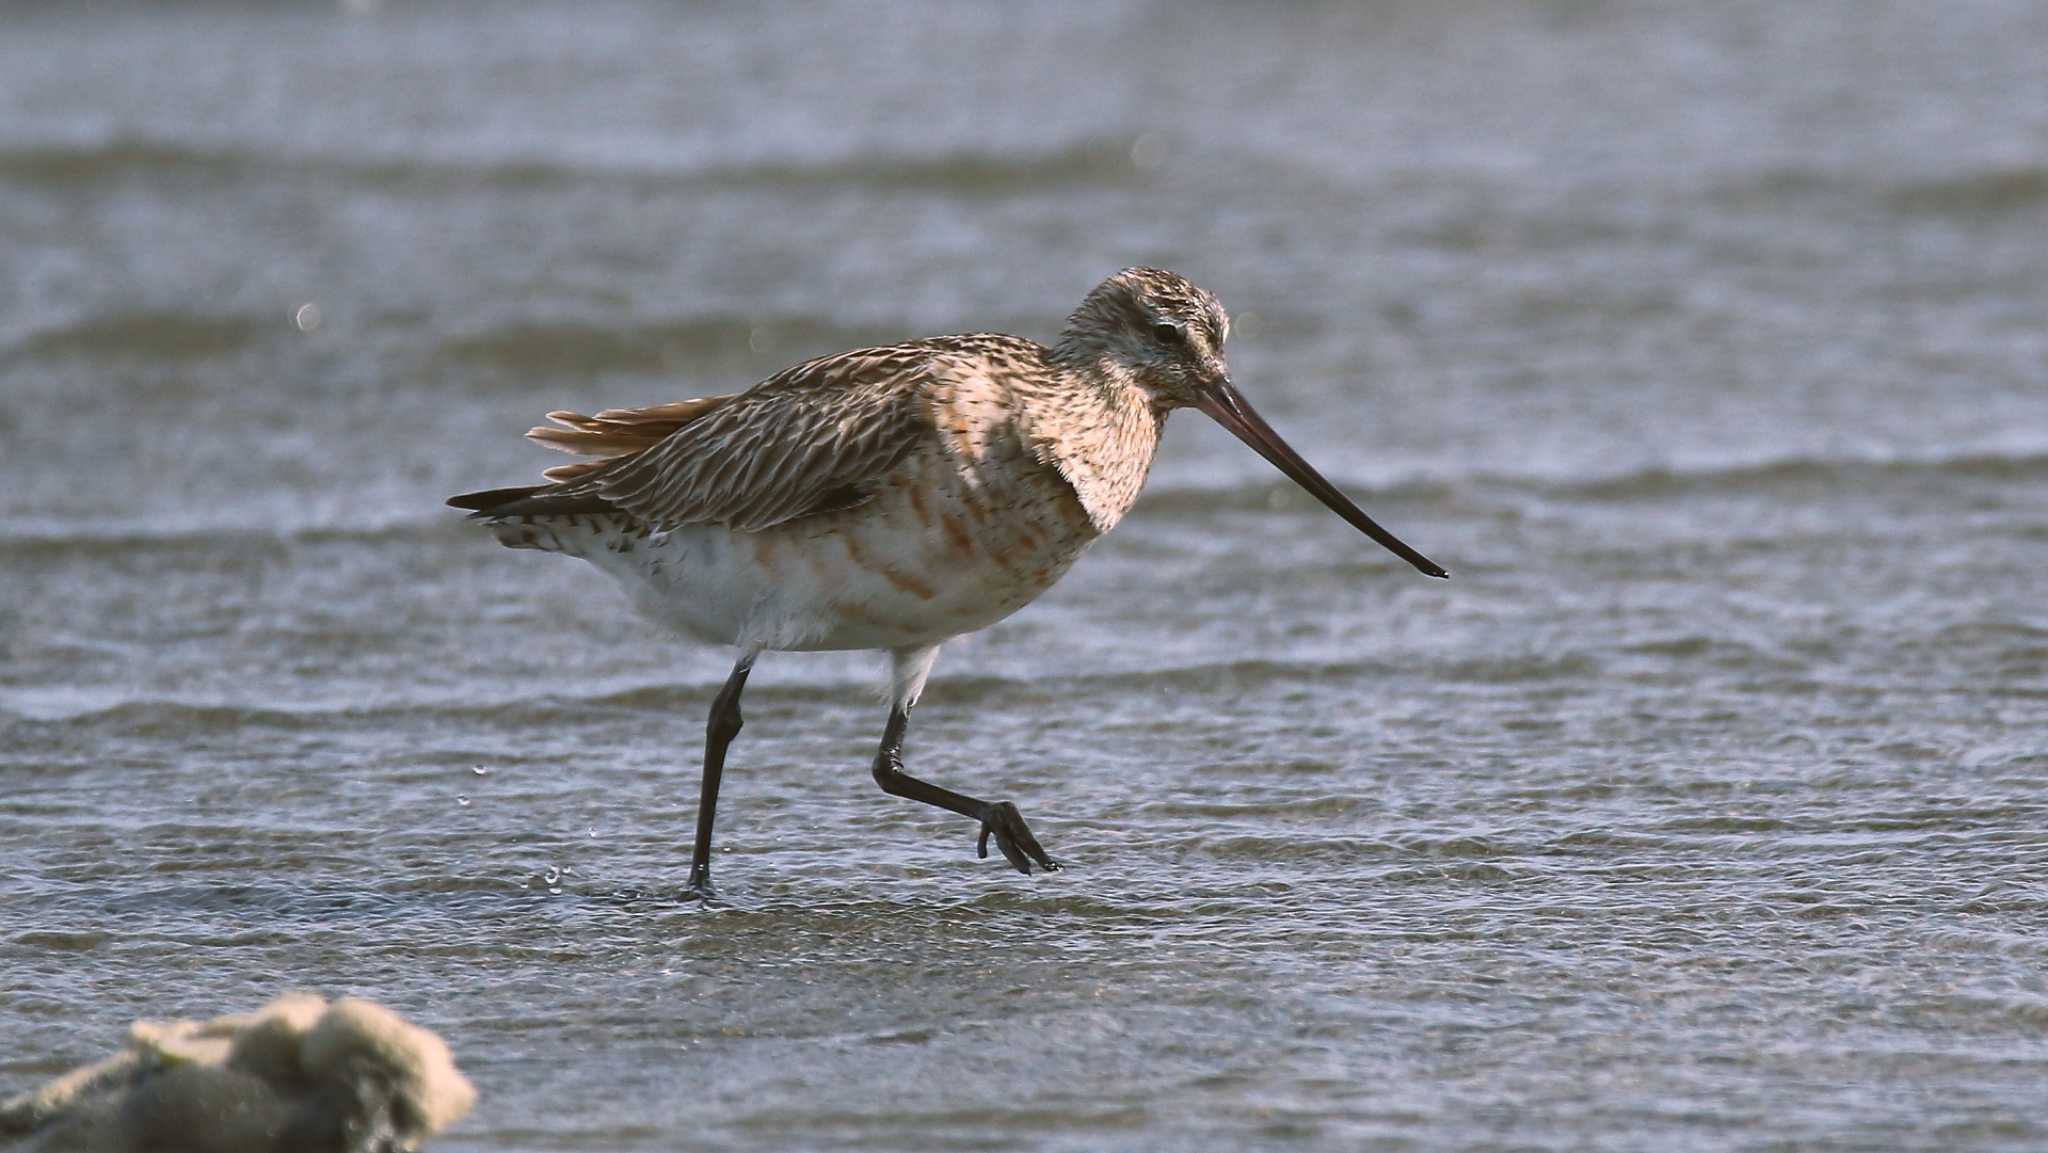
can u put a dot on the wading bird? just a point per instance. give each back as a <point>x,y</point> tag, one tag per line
<point>891,498</point>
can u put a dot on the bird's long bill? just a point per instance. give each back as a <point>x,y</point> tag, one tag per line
<point>1227,407</point>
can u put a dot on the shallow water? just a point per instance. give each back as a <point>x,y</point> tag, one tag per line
<point>1704,808</point>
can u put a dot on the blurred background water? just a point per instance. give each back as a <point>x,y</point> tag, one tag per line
<point>1703,809</point>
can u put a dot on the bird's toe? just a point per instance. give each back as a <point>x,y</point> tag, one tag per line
<point>1013,838</point>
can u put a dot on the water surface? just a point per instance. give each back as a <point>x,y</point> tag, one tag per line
<point>1702,809</point>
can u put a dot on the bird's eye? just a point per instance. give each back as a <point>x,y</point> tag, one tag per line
<point>1166,332</point>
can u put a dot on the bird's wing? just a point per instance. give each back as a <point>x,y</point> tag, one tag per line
<point>615,432</point>
<point>814,438</point>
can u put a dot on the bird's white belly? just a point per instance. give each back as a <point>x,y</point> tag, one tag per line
<point>903,570</point>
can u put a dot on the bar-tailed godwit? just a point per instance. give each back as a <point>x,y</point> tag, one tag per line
<point>891,498</point>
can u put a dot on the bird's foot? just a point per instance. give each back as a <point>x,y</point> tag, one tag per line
<point>698,888</point>
<point>1013,837</point>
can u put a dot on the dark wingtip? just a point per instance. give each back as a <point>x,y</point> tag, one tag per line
<point>529,500</point>
<point>491,498</point>
<point>471,501</point>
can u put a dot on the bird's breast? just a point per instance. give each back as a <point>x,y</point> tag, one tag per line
<point>939,551</point>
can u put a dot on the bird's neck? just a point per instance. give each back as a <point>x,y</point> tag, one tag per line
<point>1100,430</point>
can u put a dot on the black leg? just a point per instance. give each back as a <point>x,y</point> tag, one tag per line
<point>1000,819</point>
<point>718,733</point>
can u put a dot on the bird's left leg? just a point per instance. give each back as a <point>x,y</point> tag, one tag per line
<point>999,819</point>
<point>719,731</point>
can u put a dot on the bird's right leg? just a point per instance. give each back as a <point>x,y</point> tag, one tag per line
<point>999,819</point>
<point>718,733</point>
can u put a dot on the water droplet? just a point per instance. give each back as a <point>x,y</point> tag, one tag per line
<point>479,770</point>
<point>551,875</point>
<point>593,830</point>
<point>307,317</point>
<point>462,799</point>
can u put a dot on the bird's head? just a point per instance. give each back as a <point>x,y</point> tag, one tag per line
<point>1152,330</point>
<point>1156,332</point>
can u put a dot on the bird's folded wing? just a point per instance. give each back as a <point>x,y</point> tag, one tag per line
<point>615,432</point>
<point>815,438</point>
